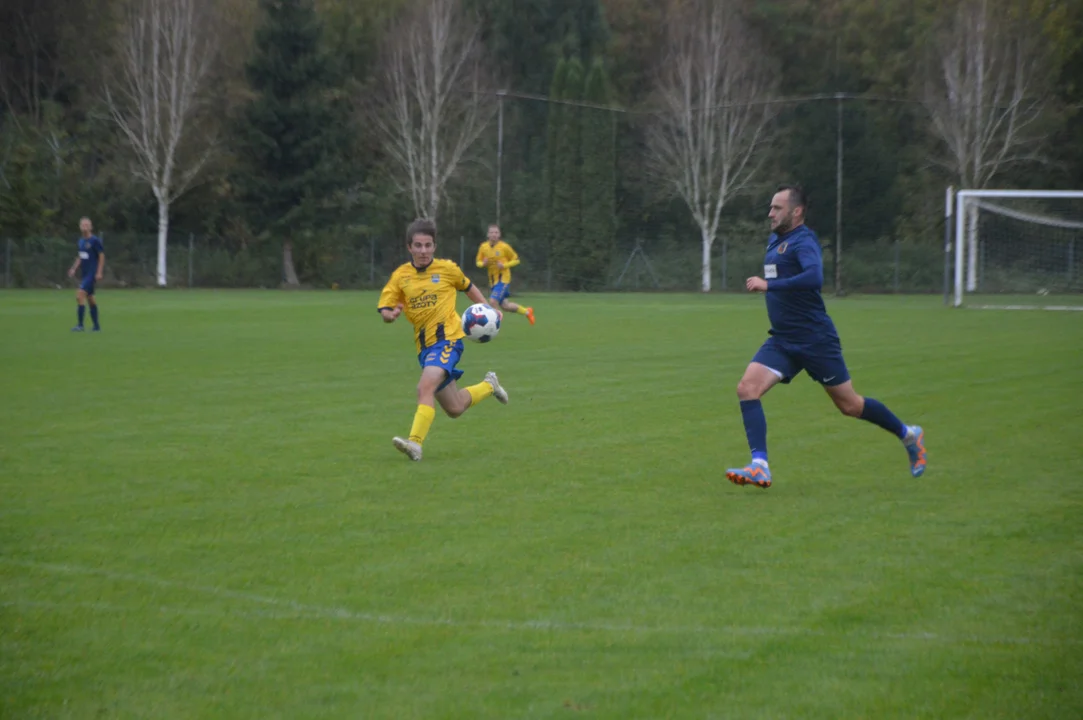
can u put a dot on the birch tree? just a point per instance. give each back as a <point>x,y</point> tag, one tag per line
<point>985,99</point>
<point>706,139</point>
<point>430,105</point>
<point>156,96</point>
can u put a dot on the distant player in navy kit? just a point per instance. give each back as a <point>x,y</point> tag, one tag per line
<point>803,337</point>
<point>91,260</point>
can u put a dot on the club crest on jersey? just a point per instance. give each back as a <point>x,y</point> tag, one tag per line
<point>782,247</point>
<point>436,277</point>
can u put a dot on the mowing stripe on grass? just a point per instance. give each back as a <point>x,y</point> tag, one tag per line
<point>297,610</point>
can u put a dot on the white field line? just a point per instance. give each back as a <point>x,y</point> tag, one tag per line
<point>284,609</point>
<point>1057,308</point>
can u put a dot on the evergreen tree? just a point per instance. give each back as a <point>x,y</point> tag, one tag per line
<point>556,92</point>
<point>598,174</point>
<point>293,129</point>
<point>23,211</point>
<point>566,179</point>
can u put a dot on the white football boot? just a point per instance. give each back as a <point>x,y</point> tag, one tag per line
<point>408,448</point>
<point>498,392</point>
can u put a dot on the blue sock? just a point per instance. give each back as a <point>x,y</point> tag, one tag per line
<point>876,412</point>
<point>755,428</point>
<point>82,314</point>
<point>94,314</point>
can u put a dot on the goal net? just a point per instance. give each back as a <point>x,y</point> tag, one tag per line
<point>1019,248</point>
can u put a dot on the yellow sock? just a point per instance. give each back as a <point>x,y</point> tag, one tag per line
<point>479,392</point>
<point>422,422</point>
<point>521,310</point>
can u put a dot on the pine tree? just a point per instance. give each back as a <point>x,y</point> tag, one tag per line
<point>598,174</point>
<point>556,92</point>
<point>23,212</point>
<point>565,216</point>
<point>293,128</point>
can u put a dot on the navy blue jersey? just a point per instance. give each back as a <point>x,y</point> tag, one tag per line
<point>794,270</point>
<point>90,249</point>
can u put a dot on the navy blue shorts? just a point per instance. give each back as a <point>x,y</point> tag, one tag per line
<point>822,361</point>
<point>499,293</point>
<point>444,355</point>
<point>87,285</point>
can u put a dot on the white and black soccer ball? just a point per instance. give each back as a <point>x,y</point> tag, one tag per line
<point>480,323</point>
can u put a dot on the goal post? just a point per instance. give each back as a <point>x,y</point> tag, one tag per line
<point>1053,239</point>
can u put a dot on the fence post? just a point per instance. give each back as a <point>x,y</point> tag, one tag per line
<point>7,263</point>
<point>1071,261</point>
<point>895,284</point>
<point>191,250</point>
<point>838,194</point>
<point>499,150</point>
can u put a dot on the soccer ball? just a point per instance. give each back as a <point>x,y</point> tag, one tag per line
<point>480,323</point>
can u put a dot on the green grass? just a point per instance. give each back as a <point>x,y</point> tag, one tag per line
<point>202,516</point>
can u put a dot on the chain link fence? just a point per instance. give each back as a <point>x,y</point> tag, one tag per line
<point>572,189</point>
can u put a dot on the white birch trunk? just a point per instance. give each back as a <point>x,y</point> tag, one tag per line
<point>163,235</point>
<point>708,241</point>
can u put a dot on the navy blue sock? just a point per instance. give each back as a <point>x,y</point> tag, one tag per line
<point>82,314</point>
<point>876,412</point>
<point>755,428</point>
<point>94,314</point>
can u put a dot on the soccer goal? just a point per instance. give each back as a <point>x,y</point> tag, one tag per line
<point>1019,248</point>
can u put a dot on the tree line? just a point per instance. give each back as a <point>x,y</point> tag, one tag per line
<point>288,125</point>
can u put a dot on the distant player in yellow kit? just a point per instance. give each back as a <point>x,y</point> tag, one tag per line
<point>425,289</point>
<point>499,258</point>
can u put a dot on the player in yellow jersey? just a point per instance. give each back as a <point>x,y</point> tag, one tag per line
<point>425,289</point>
<point>500,258</point>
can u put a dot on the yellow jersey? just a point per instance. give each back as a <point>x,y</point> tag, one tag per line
<point>428,298</point>
<point>501,252</point>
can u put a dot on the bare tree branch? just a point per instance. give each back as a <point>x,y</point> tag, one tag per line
<point>706,139</point>
<point>985,100</point>
<point>983,95</point>
<point>429,109</point>
<point>157,95</point>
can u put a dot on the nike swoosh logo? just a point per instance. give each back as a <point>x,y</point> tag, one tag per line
<point>829,379</point>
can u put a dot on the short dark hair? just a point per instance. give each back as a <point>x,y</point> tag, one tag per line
<point>797,194</point>
<point>421,226</point>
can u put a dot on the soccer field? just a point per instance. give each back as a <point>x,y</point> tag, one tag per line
<point>203,517</point>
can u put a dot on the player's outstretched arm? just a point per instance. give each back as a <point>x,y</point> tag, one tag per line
<point>475,295</point>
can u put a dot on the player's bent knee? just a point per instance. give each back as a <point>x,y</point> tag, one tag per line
<point>749,390</point>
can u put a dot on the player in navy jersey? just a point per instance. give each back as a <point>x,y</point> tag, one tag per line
<point>802,337</point>
<point>91,260</point>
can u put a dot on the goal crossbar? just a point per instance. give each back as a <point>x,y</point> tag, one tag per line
<point>964,196</point>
